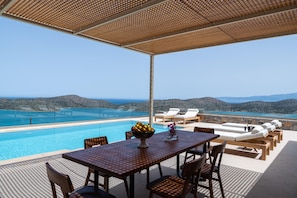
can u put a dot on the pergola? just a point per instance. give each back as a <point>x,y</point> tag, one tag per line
<point>160,26</point>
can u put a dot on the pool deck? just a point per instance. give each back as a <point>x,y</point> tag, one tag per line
<point>238,166</point>
<point>235,160</point>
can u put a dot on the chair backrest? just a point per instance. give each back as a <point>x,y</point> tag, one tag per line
<point>206,146</point>
<point>129,135</point>
<point>191,172</point>
<point>59,179</point>
<point>89,143</point>
<point>217,154</point>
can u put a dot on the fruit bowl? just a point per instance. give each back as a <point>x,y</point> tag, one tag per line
<point>147,134</point>
<point>142,132</point>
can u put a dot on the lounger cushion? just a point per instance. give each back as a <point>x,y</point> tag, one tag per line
<point>229,129</point>
<point>171,112</point>
<point>257,129</point>
<point>268,126</point>
<point>250,135</point>
<point>241,137</point>
<point>230,124</point>
<point>227,135</point>
<point>189,114</point>
<point>276,123</point>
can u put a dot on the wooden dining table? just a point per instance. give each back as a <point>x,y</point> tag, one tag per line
<point>122,159</point>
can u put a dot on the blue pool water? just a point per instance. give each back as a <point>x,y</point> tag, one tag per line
<point>31,142</point>
<point>15,118</point>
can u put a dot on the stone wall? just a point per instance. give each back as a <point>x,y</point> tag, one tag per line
<point>288,124</point>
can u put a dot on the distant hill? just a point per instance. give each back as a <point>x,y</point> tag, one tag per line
<point>52,104</point>
<point>212,104</point>
<point>270,98</point>
<point>203,104</point>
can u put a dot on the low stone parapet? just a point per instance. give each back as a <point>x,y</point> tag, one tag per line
<point>287,124</point>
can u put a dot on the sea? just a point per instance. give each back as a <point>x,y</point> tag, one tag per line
<point>17,118</point>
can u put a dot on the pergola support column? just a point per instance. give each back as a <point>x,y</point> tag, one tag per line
<point>151,110</point>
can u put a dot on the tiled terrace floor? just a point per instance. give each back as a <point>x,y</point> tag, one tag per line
<point>28,178</point>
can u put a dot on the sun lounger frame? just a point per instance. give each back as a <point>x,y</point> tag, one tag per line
<point>263,145</point>
<point>197,118</point>
<point>164,117</point>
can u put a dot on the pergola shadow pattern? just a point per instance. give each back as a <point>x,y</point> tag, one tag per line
<point>29,179</point>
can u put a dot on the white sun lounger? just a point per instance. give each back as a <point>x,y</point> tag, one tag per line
<point>273,128</point>
<point>167,115</point>
<point>256,138</point>
<point>190,115</point>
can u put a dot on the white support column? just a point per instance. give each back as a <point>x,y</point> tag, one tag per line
<point>151,111</point>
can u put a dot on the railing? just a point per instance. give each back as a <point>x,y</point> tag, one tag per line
<point>16,118</point>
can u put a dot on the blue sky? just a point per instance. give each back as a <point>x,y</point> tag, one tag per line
<point>40,62</point>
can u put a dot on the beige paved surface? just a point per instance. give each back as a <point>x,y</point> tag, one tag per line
<point>232,160</point>
<point>234,167</point>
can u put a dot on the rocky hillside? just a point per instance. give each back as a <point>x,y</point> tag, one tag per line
<point>212,104</point>
<point>204,104</point>
<point>52,104</point>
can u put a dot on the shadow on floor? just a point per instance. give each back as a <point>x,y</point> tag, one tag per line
<point>280,179</point>
<point>29,179</point>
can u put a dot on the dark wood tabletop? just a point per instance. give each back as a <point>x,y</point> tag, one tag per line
<point>124,158</point>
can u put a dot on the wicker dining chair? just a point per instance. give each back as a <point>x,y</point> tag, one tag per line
<point>129,135</point>
<point>89,143</point>
<point>171,186</point>
<point>199,150</point>
<point>209,169</point>
<point>68,191</point>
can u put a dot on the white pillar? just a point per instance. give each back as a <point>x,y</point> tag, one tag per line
<point>151,111</point>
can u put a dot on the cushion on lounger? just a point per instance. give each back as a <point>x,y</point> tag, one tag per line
<point>230,124</point>
<point>173,111</point>
<point>257,129</point>
<point>250,135</point>
<point>229,129</point>
<point>276,123</point>
<point>268,126</point>
<point>227,135</point>
<point>189,114</point>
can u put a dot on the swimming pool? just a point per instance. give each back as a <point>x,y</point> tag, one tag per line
<point>31,142</point>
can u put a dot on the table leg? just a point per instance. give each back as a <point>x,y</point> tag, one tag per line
<point>131,189</point>
<point>96,180</point>
<point>177,165</point>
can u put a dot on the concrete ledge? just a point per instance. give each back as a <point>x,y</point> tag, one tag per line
<point>288,124</point>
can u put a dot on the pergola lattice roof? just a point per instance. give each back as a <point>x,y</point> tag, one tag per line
<point>160,26</point>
